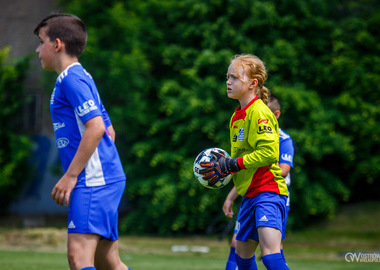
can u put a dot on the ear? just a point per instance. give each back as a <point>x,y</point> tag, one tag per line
<point>254,83</point>
<point>277,113</point>
<point>58,45</point>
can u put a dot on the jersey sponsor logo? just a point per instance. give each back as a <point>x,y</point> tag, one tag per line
<point>238,149</point>
<point>241,134</point>
<point>86,107</point>
<point>234,139</point>
<point>58,125</point>
<point>265,121</point>
<point>62,142</point>
<point>52,96</point>
<point>264,129</point>
<point>287,157</point>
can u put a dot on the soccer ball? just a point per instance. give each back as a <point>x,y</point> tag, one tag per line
<point>206,156</point>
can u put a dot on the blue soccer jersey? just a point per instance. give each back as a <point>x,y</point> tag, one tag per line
<point>74,101</point>
<point>286,152</point>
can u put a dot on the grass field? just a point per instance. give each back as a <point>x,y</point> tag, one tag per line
<point>323,246</point>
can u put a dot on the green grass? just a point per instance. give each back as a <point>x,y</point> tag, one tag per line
<point>32,260</point>
<point>37,260</point>
<point>323,246</point>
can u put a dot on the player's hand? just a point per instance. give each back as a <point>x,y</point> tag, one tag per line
<point>227,208</point>
<point>229,203</point>
<point>216,169</point>
<point>62,190</point>
<point>220,165</point>
<point>212,170</point>
<point>228,165</point>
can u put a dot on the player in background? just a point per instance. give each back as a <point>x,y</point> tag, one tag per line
<point>94,180</point>
<point>285,163</point>
<point>254,136</point>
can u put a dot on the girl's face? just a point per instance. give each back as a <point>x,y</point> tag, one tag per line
<point>239,86</point>
<point>45,50</point>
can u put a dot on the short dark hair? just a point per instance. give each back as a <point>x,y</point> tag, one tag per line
<point>68,28</point>
<point>273,102</point>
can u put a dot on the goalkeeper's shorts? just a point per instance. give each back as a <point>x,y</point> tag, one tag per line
<point>265,210</point>
<point>95,210</point>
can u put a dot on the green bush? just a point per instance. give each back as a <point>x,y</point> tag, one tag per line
<point>161,65</point>
<point>15,148</point>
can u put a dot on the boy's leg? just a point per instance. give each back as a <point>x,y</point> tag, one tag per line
<point>100,216</point>
<point>81,250</point>
<point>107,256</point>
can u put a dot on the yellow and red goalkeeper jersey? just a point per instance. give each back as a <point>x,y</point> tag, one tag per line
<point>254,135</point>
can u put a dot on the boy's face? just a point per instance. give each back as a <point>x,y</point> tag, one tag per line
<point>46,50</point>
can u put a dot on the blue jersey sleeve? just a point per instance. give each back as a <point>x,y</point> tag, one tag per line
<point>286,151</point>
<point>80,95</point>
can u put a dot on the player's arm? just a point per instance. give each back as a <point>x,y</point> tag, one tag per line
<point>265,154</point>
<point>91,137</point>
<point>285,169</point>
<point>229,202</point>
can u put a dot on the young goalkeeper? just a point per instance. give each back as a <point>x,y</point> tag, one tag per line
<point>94,180</point>
<point>254,135</point>
<point>285,163</point>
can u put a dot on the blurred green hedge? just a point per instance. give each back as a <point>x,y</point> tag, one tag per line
<point>160,67</point>
<point>15,148</point>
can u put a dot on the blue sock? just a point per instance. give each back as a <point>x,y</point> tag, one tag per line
<point>231,263</point>
<point>275,262</point>
<point>88,268</point>
<point>246,264</point>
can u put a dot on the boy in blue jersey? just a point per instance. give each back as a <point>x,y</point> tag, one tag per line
<point>94,180</point>
<point>285,163</point>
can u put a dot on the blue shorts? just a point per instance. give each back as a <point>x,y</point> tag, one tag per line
<point>286,214</point>
<point>96,210</point>
<point>265,210</point>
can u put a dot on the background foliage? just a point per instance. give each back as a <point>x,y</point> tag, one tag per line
<point>161,65</point>
<point>14,147</point>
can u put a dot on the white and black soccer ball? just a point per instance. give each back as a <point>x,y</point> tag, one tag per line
<point>206,156</point>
